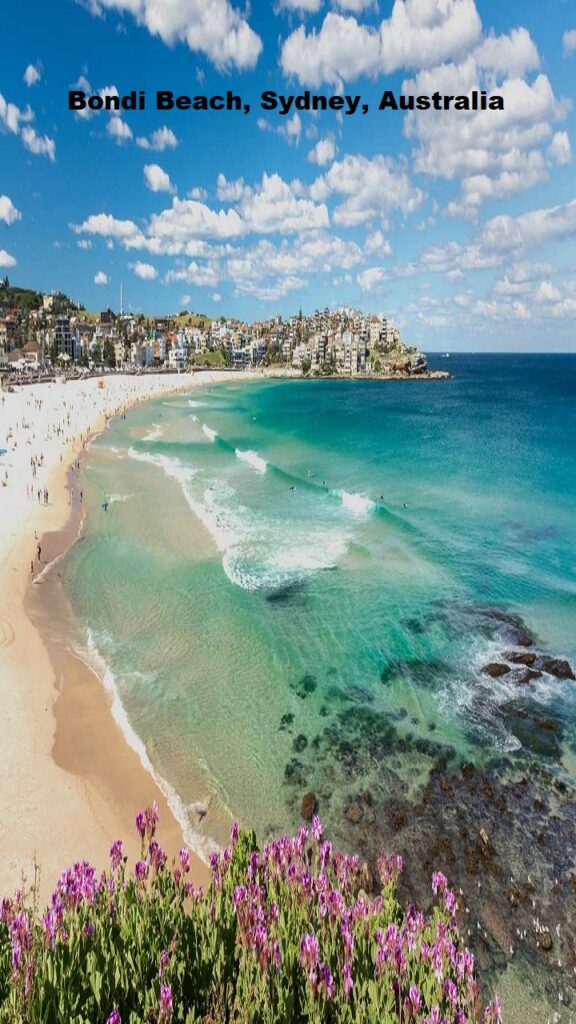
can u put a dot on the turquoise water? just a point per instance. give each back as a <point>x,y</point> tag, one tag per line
<point>292,587</point>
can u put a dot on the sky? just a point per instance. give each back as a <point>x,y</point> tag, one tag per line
<point>459,226</point>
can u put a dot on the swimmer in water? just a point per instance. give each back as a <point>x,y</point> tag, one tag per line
<point>291,488</point>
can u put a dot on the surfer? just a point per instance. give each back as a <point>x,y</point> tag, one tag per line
<point>291,488</point>
<point>105,504</point>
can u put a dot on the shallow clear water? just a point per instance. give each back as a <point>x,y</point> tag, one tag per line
<point>296,548</point>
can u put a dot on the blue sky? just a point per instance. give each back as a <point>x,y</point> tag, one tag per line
<point>459,226</point>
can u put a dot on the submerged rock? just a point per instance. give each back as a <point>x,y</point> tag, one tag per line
<point>308,806</point>
<point>354,813</point>
<point>556,667</point>
<point>495,669</point>
<point>520,657</point>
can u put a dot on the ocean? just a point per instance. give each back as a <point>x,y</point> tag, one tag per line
<point>296,587</point>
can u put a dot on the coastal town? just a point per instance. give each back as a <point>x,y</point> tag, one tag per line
<point>42,333</point>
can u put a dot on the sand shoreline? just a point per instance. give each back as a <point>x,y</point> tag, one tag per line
<point>71,783</point>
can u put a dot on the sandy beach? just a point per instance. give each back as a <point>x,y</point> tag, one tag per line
<point>70,782</point>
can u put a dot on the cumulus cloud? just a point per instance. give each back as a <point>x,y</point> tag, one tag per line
<point>569,42</point>
<point>156,179</point>
<point>372,187</point>
<point>33,74</point>
<point>289,129</point>
<point>40,145</point>
<point>230,191</point>
<point>100,278</point>
<point>559,150</point>
<point>273,206</point>
<point>189,219</point>
<point>495,154</point>
<point>323,152</point>
<point>371,278</point>
<point>118,129</point>
<point>146,271</point>
<point>84,243</point>
<point>6,260</point>
<point>202,275</point>
<point>107,226</point>
<point>163,138</point>
<point>17,122</point>
<point>418,34</point>
<point>8,212</point>
<point>301,6</point>
<point>217,29</point>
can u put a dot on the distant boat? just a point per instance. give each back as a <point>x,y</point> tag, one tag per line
<point>446,355</point>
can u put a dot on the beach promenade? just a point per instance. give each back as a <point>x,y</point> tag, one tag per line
<point>69,782</point>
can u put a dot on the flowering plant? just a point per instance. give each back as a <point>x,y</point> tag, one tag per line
<point>284,933</point>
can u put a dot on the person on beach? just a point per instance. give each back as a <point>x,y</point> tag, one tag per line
<point>39,550</point>
<point>32,568</point>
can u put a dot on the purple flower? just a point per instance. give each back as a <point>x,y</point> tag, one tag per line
<point>317,828</point>
<point>141,870</point>
<point>141,825</point>
<point>451,991</point>
<point>277,955</point>
<point>114,1018</point>
<point>415,998</point>
<point>234,833</point>
<point>348,983</point>
<point>309,952</point>
<point>165,1002</point>
<point>326,981</point>
<point>164,961</point>
<point>439,882</point>
<point>185,859</point>
<point>116,854</point>
<point>239,895</point>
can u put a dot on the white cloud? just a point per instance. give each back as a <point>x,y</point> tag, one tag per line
<point>185,300</point>
<point>505,234</point>
<point>163,138</point>
<point>559,150</point>
<point>40,145</point>
<point>217,29</point>
<point>356,6</point>
<point>495,154</point>
<point>375,242</point>
<point>100,278</point>
<point>216,297</point>
<point>119,129</point>
<point>371,278</point>
<point>289,129</point>
<point>6,260</point>
<point>323,152</point>
<point>33,74</point>
<point>106,225</point>
<point>373,188</point>
<point>8,212</point>
<point>418,34</point>
<point>230,191</point>
<point>198,193</point>
<point>273,206</point>
<point>569,42</point>
<point>302,6</point>
<point>156,179</point>
<point>202,275</point>
<point>84,243</point>
<point>11,116</point>
<point>144,270</point>
<point>187,219</point>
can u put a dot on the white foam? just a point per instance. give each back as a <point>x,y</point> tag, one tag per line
<point>257,553</point>
<point>210,434</point>
<point>113,498</point>
<point>358,504</point>
<point>194,404</point>
<point>154,433</point>
<point>201,845</point>
<point>195,419</point>
<point>253,459</point>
